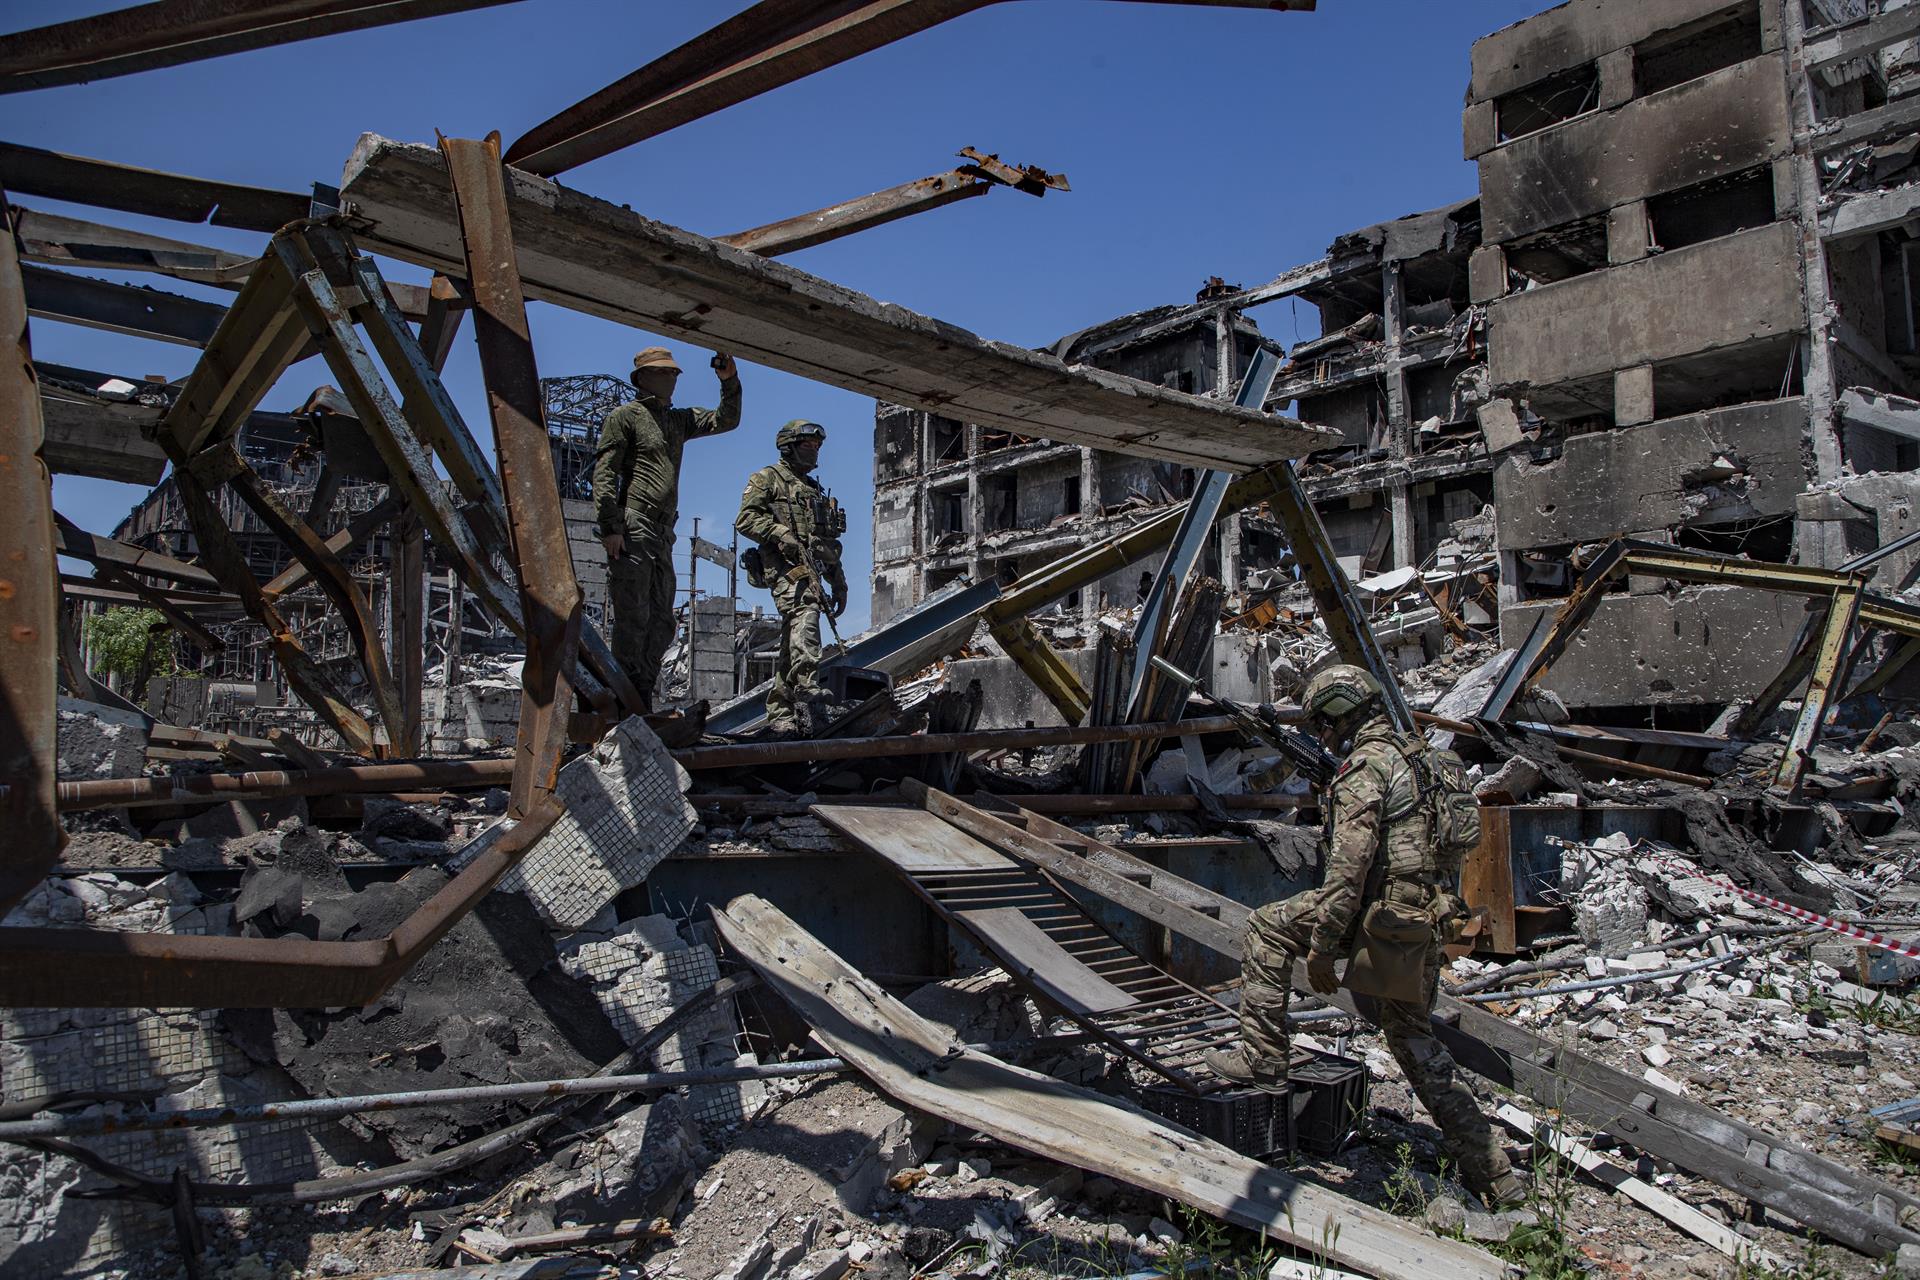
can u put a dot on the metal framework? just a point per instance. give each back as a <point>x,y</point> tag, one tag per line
<point>1821,658</point>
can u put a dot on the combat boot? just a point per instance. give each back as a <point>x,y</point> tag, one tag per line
<point>1507,1191</point>
<point>1237,1066</point>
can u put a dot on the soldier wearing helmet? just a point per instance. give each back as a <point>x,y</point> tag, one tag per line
<point>1379,846</point>
<point>636,502</point>
<point>797,529</point>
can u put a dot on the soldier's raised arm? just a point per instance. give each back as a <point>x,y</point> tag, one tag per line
<point>713,422</point>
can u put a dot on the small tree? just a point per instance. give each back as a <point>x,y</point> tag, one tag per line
<point>119,637</point>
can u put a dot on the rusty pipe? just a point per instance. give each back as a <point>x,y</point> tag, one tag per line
<point>737,754</point>
<point>270,784</point>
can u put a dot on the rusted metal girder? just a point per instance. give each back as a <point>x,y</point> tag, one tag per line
<point>357,531</point>
<point>1847,603</point>
<point>29,603</point>
<point>69,242</point>
<point>771,44</point>
<point>110,793</point>
<point>71,540</point>
<point>550,599</point>
<point>790,235</point>
<point>106,185</point>
<point>91,968</point>
<point>1828,677</point>
<point>168,33</point>
<point>221,553</point>
<point>121,308</point>
<point>157,600</point>
<point>337,582</point>
<point>75,587</point>
<point>420,775</point>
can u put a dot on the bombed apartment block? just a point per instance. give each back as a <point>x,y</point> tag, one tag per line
<point>957,500</point>
<point>1399,370</point>
<point>1696,291</point>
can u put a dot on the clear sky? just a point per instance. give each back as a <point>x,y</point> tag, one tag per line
<point>1198,141</point>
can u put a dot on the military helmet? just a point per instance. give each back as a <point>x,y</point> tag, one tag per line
<point>1339,691</point>
<point>797,430</point>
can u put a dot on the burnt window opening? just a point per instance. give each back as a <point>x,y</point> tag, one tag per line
<point>949,513</point>
<point>1562,253</point>
<point>1769,538</point>
<point>1700,48</point>
<point>1548,102</point>
<point>1900,287</point>
<point>1070,496</point>
<point>1771,369</point>
<point>893,454</point>
<point>946,438</point>
<point>1179,380</point>
<point>1073,602</point>
<point>1188,478</point>
<point>1710,210</point>
<point>1001,494</point>
<point>1867,449</point>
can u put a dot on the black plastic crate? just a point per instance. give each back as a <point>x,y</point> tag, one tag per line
<point>1251,1121</point>
<point>1330,1099</point>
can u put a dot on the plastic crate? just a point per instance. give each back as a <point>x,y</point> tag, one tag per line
<point>1330,1099</point>
<point>1250,1121</point>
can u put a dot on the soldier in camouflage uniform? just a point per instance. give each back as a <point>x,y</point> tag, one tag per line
<point>636,502</point>
<point>797,528</point>
<point>1380,846</point>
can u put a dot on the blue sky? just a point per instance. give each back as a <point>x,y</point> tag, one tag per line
<point>1198,141</point>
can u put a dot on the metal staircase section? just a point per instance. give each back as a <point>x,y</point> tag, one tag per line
<point>1043,938</point>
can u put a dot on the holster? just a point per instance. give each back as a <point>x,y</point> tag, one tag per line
<point>1390,952</point>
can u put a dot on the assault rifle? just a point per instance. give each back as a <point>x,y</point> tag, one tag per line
<point>1261,723</point>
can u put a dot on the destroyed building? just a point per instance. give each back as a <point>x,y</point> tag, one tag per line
<point>1697,292</point>
<point>594,990</point>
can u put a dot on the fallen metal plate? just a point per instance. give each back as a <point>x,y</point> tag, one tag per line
<point>914,840</point>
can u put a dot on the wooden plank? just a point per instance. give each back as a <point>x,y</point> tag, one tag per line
<point>1672,1208</point>
<point>1031,956</point>
<point>920,1066</point>
<point>1486,879</point>
<point>913,840</point>
<point>595,256</point>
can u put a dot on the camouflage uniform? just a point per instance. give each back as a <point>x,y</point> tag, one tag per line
<point>636,492</point>
<point>1373,807</point>
<point>784,509</point>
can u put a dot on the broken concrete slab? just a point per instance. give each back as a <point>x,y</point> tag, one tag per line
<point>597,257</point>
<point>626,810</point>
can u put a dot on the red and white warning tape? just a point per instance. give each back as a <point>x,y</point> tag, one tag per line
<point>1881,940</point>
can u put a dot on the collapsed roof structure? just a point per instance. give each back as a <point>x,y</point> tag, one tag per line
<point>274,1001</point>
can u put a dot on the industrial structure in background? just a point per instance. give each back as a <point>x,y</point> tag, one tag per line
<point>402,902</point>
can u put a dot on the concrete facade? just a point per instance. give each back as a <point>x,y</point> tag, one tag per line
<point>1741,463</point>
<point>1670,328</point>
